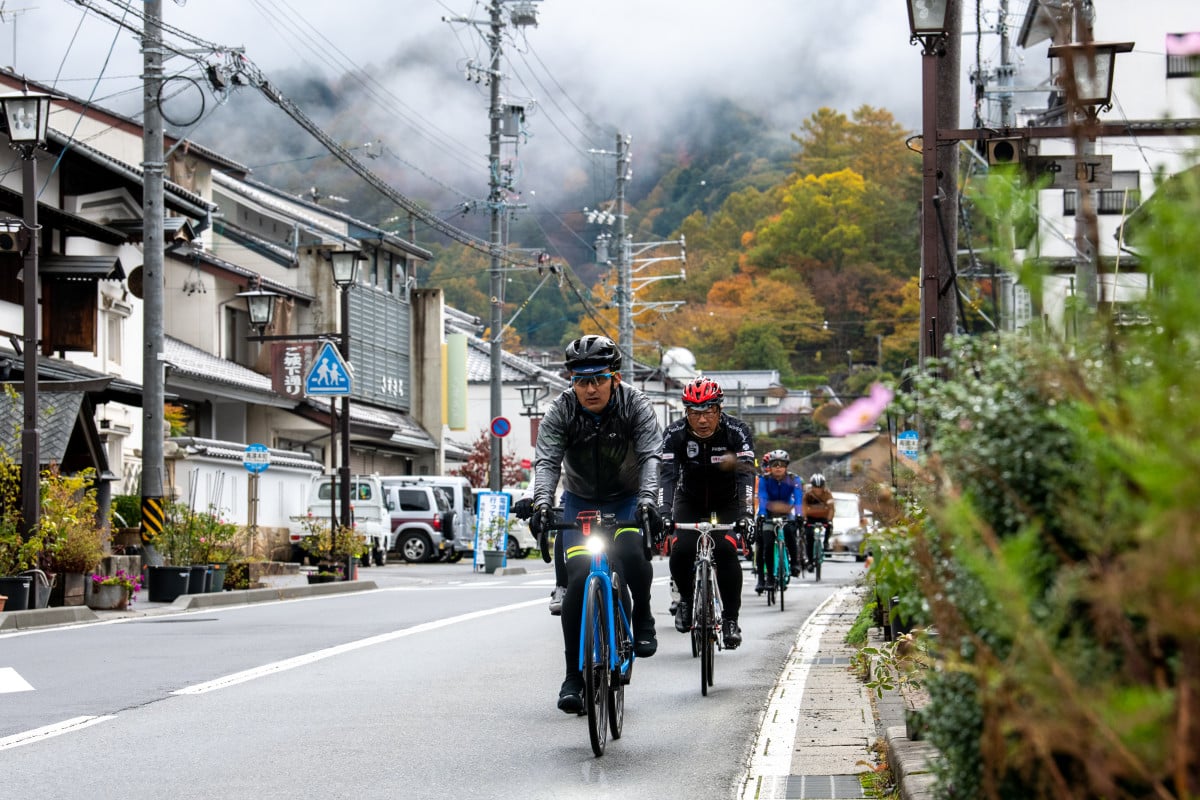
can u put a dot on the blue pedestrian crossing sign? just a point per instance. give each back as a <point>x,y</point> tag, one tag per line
<point>329,375</point>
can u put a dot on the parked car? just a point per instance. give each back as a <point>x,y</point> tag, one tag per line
<point>370,510</point>
<point>849,530</point>
<point>422,521</point>
<point>462,502</point>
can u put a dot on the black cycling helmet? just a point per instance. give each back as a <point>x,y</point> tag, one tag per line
<point>592,353</point>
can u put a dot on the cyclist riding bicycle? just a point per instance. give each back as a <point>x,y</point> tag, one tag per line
<point>602,438</point>
<point>780,494</point>
<point>817,506</point>
<point>708,468</point>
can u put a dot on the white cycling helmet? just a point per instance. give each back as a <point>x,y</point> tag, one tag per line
<point>817,479</point>
<point>777,455</point>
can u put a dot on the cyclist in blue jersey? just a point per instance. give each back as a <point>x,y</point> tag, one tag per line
<point>602,438</point>
<point>780,494</point>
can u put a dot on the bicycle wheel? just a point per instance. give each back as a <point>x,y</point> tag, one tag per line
<point>818,557</point>
<point>620,673</point>
<point>696,632</point>
<point>704,624</point>
<point>784,570</point>
<point>596,665</point>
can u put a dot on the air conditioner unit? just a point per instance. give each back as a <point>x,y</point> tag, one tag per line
<point>1005,151</point>
<point>12,241</point>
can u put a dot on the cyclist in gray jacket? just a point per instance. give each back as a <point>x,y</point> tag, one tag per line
<point>602,439</point>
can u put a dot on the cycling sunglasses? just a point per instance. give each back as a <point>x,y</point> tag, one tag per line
<point>591,380</point>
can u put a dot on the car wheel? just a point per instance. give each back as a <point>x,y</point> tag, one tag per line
<point>456,556</point>
<point>514,549</point>
<point>416,548</point>
<point>380,556</point>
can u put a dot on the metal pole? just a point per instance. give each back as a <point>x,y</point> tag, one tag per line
<point>931,333</point>
<point>31,467</point>
<point>344,472</point>
<point>624,260</point>
<point>495,207</point>
<point>153,465</point>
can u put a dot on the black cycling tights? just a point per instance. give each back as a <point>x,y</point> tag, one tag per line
<point>725,557</point>
<point>764,548</point>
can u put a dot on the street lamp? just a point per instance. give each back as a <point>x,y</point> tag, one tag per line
<point>927,25</point>
<point>531,396</point>
<point>344,264</point>
<point>27,114</point>
<point>260,304</point>
<point>1086,73</point>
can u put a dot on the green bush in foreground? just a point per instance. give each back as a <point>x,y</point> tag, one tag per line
<point>1058,561</point>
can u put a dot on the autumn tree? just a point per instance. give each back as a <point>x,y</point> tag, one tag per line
<point>478,466</point>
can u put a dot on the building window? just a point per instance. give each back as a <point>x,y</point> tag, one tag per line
<point>1183,60</point>
<point>1122,198</point>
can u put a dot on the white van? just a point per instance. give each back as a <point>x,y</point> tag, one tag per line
<point>462,499</point>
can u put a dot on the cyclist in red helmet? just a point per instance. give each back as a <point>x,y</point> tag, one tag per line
<point>708,467</point>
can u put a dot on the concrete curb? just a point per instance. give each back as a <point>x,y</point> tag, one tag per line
<point>910,764</point>
<point>69,615</point>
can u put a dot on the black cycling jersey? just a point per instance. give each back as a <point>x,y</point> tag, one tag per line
<point>701,476</point>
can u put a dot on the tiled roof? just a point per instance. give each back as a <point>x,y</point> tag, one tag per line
<point>57,413</point>
<point>194,362</point>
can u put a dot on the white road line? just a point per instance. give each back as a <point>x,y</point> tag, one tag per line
<point>772,753</point>
<point>318,655</point>
<point>11,681</point>
<point>49,731</point>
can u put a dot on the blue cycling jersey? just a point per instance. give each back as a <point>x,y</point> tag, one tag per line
<point>789,490</point>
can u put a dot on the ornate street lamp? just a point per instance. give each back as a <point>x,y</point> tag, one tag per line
<point>27,114</point>
<point>260,305</point>
<point>344,264</point>
<point>1085,72</point>
<point>927,26</point>
<point>531,397</point>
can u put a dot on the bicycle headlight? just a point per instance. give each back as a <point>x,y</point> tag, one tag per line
<point>595,544</point>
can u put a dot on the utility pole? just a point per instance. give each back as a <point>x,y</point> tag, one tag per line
<point>624,260</point>
<point>495,210</point>
<point>1086,227</point>
<point>153,281</point>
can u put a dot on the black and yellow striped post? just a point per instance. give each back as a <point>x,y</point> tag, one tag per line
<point>152,519</point>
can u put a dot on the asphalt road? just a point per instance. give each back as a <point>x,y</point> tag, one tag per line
<point>441,684</point>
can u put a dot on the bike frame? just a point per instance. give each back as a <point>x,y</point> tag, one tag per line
<point>707,635</point>
<point>601,570</point>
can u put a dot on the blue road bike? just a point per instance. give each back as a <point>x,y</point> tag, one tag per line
<point>780,565</point>
<point>606,636</point>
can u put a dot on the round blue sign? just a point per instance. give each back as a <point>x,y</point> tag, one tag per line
<point>501,427</point>
<point>257,458</point>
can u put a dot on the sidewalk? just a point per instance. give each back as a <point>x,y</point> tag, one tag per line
<point>821,722</point>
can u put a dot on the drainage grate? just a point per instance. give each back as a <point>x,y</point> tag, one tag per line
<point>827,660</point>
<point>829,787</point>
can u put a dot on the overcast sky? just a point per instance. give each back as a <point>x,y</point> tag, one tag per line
<point>628,65</point>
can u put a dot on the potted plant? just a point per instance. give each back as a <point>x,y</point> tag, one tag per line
<point>74,538</point>
<point>18,554</point>
<point>113,592</point>
<point>332,553</point>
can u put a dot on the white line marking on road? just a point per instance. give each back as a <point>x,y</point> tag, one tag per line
<point>11,681</point>
<point>319,655</point>
<point>774,745</point>
<point>57,729</point>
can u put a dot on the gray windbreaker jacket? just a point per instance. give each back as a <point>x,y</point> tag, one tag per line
<point>601,457</point>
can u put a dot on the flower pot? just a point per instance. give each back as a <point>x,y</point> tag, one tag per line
<point>16,588</point>
<point>164,584</point>
<point>3,599</point>
<point>217,584</point>
<point>108,598</point>
<point>200,579</point>
<point>492,560</point>
<point>314,577</point>
<point>39,588</point>
<point>68,589</point>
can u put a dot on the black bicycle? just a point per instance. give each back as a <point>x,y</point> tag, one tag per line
<point>706,601</point>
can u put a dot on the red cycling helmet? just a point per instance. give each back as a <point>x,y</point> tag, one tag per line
<point>702,392</point>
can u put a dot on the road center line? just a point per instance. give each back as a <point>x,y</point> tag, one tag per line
<point>49,731</point>
<point>319,655</point>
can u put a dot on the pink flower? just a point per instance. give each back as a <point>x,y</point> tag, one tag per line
<point>862,413</point>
